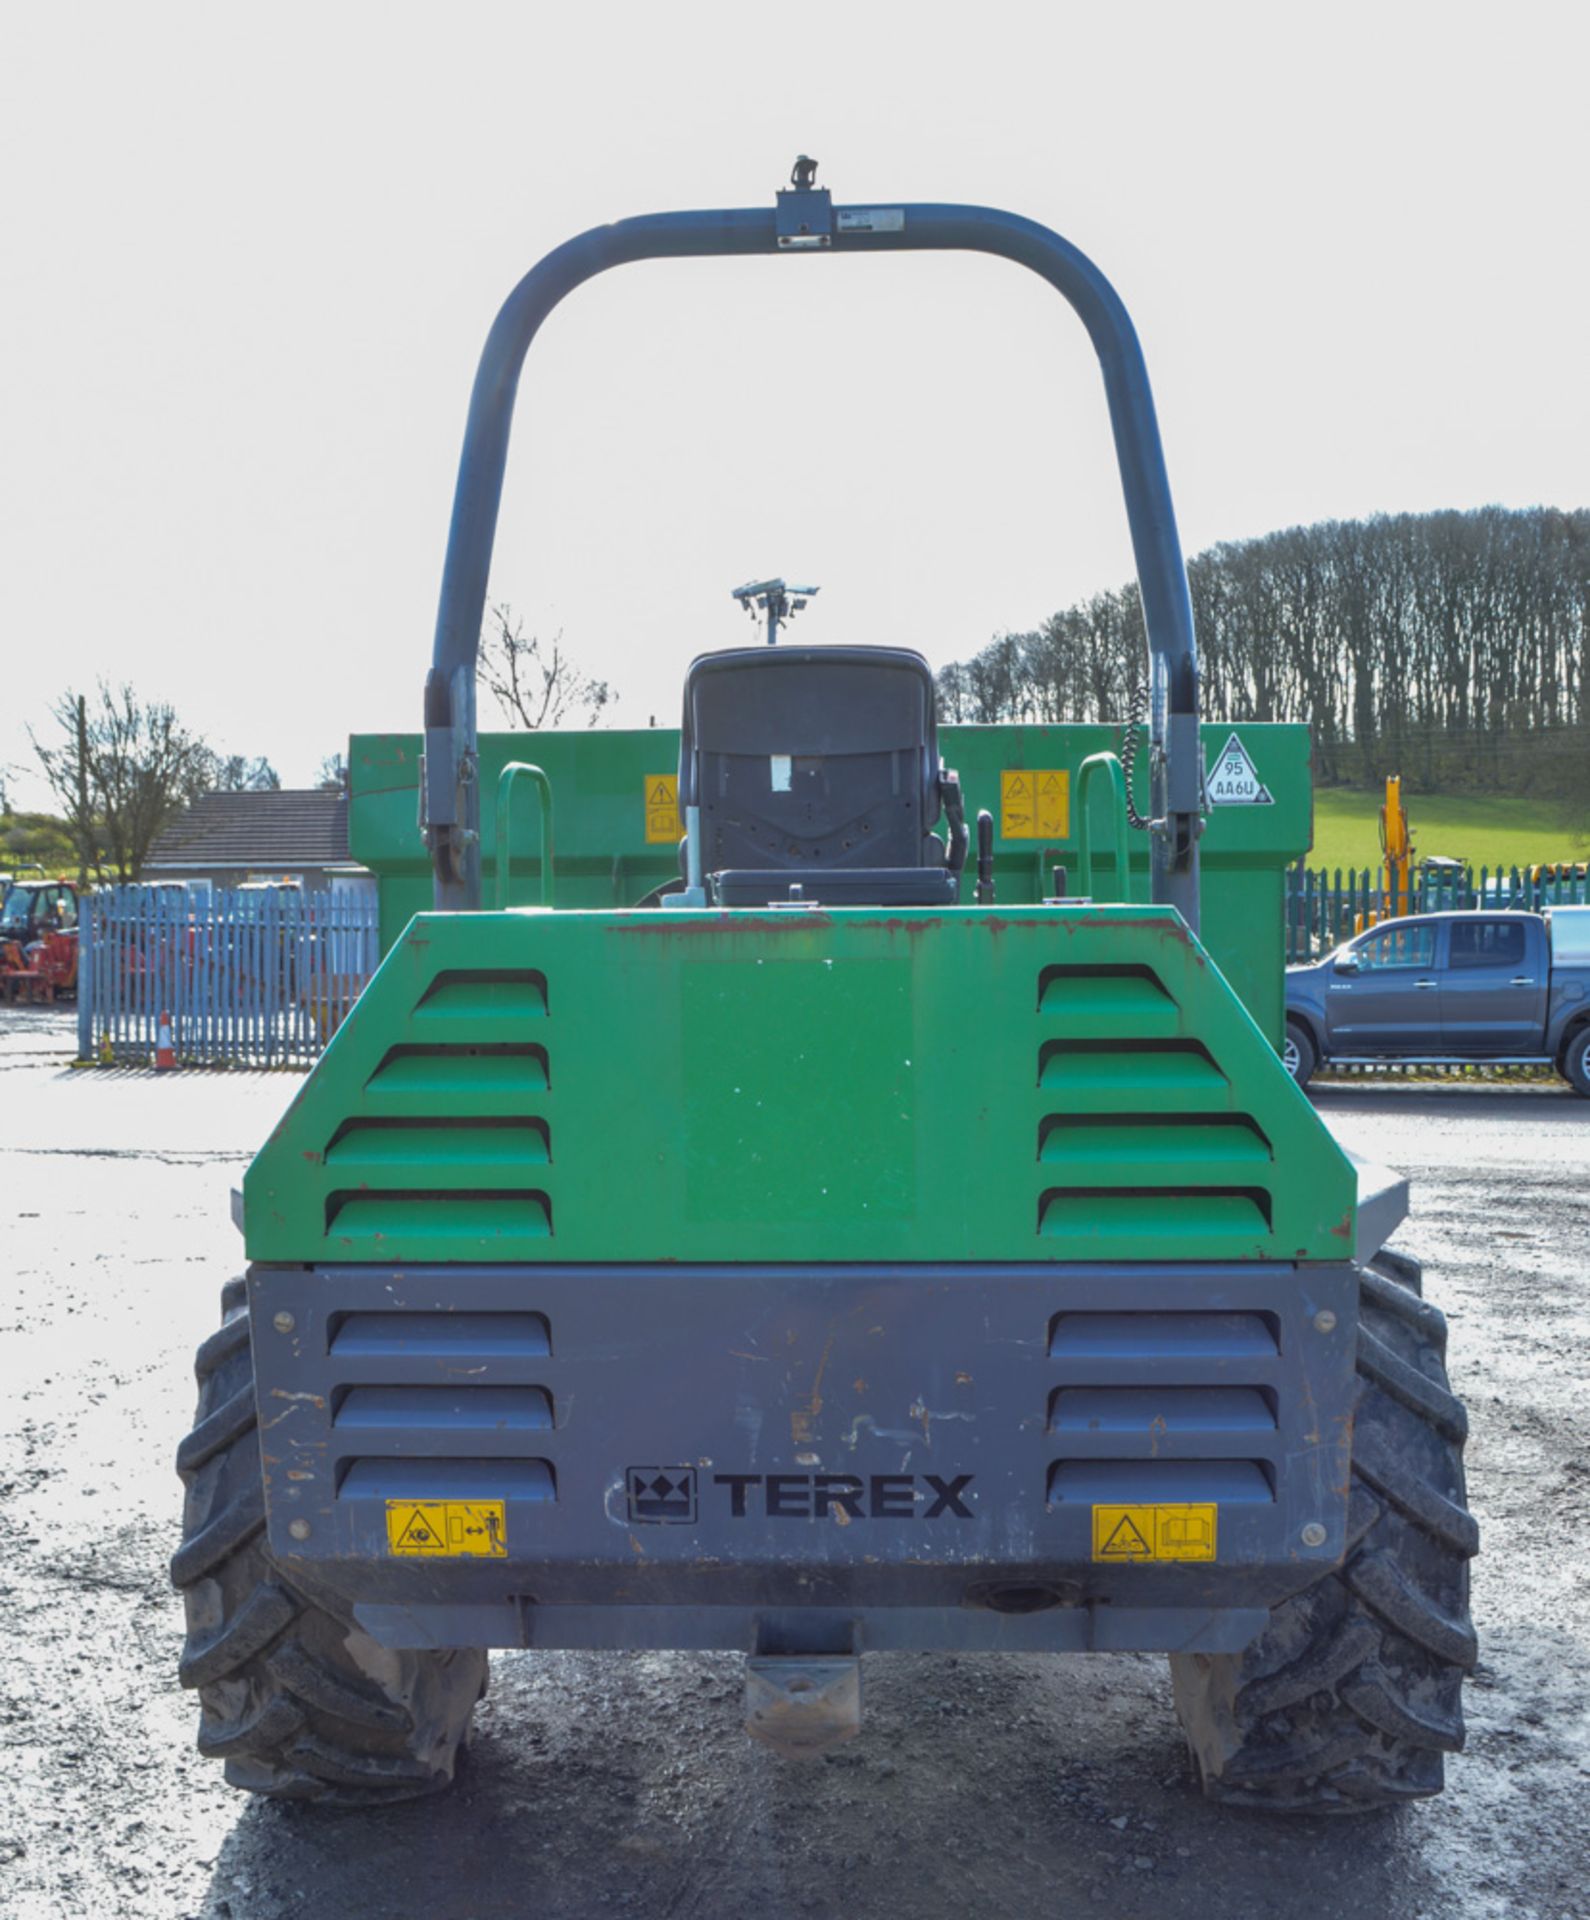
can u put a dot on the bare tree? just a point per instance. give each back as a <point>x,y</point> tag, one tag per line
<point>120,770</point>
<point>333,774</point>
<point>535,682</point>
<point>1454,647</point>
<point>236,773</point>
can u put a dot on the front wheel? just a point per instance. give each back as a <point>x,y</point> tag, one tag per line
<point>1351,1697</point>
<point>297,1701</point>
<point>1299,1054</point>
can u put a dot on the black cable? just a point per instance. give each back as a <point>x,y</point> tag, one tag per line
<point>1129,736</point>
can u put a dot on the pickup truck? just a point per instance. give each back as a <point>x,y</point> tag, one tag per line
<point>1445,989</point>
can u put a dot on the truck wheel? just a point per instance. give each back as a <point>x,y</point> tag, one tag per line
<point>1351,1696</point>
<point>1299,1054</point>
<point>1576,1063</point>
<point>299,1703</point>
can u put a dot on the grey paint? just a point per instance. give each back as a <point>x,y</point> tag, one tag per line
<point>897,1373</point>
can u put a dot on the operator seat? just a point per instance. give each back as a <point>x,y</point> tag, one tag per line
<point>818,777</point>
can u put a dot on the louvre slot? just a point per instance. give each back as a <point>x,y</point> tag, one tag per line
<point>469,1216</point>
<point>1145,1068</point>
<point>458,1145</point>
<point>1172,1215</point>
<point>422,1479</point>
<point>1092,994</point>
<point>1159,1414</point>
<point>504,993</point>
<point>1158,1139</point>
<point>512,1071</point>
<point>1188,1336</point>
<point>441,1336</point>
<point>414,1411</point>
<point>1226,1483</point>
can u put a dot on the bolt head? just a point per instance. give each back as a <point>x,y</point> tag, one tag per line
<point>299,1529</point>
<point>1325,1321</point>
<point>1313,1534</point>
<point>284,1323</point>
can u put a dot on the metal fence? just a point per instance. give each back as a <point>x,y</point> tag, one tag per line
<point>1325,907</point>
<point>253,978</point>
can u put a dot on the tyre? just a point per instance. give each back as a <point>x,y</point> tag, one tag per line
<point>298,1702</point>
<point>1351,1697</point>
<point>1299,1053</point>
<point>1576,1063</point>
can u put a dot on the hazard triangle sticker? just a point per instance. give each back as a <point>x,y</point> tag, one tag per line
<point>1233,780</point>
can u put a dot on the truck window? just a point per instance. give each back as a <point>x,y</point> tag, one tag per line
<point>1396,947</point>
<point>1570,936</point>
<point>1487,943</point>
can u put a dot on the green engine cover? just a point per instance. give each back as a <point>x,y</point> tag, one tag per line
<point>613,846</point>
<point>979,1084</point>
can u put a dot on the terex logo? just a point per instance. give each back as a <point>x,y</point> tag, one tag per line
<point>845,1496</point>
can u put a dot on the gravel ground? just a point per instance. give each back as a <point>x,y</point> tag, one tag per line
<point>983,1786</point>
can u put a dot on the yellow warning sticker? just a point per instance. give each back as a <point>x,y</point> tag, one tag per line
<point>448,1528</point>
<point>1034,803</point>
<point>662,808</point>
<point>1178,1532</point>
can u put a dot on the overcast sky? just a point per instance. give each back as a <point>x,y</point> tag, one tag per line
<point>251,253</point>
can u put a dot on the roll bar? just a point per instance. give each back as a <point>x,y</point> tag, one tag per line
<point>805,220</point>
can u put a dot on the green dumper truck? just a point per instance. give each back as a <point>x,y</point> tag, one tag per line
<point>816,1183</point>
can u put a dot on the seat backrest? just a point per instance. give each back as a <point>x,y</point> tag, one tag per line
<point>812,757</point>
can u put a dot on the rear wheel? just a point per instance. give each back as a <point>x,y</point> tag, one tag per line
<point>298,1702</point>
<point>1299,1053</point>
<point>1576,1063</point>
<point>1350,1698</point>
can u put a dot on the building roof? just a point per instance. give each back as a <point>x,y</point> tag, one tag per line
<point>292,827</point>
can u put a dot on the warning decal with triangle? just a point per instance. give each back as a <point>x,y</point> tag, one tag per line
<point>1179,1530</point>
<point>1125,1542</point>
<point>1233,780</point>
<point>454,1528</point>
<point>660,796</point>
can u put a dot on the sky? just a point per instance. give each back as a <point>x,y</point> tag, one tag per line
<point>251,254</point>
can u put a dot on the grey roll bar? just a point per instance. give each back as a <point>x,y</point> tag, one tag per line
<point>805,221</point>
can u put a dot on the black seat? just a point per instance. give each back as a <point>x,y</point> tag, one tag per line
<point>817,768</point>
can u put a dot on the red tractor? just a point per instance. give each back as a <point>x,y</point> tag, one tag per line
<point>38,941</point>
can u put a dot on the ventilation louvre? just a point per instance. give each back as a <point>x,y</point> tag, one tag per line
<point>1190,1336</point>
<point>470,1219</point>
<point>1225,1483</point>
<point>1087,997</point>
<point>1152,1139</point>
<point>457,1409</point>
<point>444,1337</point>
<point>1188,1217</point>
<point>463,1146</point>
<point>419,1072</point>
<point>1154,1412</point>
<point>1146,1069</point>
<point>499,995</point>
<point>447,1479</point>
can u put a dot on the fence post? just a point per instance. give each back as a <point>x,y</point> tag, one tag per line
<point>85,978</point>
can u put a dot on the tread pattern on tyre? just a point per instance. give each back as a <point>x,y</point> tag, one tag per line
<point>1352,1696</point>
<point>283,1700</point>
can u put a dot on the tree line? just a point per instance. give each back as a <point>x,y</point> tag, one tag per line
<point>1451,647</point>
<point>120,769</point>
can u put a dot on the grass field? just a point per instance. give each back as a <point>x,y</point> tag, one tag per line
<point>1487,831</point>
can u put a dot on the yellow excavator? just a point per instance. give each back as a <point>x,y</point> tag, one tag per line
<point>1396,852</point>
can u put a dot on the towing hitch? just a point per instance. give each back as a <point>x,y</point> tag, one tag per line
<point>802,1704</point>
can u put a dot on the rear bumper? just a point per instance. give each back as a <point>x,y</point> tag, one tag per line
<point>822,1458</point>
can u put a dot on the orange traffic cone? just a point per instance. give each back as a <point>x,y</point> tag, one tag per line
<point>165,1048</point>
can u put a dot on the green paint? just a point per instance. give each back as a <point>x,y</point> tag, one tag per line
<point>603,860</point>
<point>1055,1083</point>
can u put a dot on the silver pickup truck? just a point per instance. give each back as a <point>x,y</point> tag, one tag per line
<point>1449,989</point>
